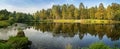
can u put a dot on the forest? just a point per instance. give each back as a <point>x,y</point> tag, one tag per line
<point>65,11</point>
<point>8,18</point>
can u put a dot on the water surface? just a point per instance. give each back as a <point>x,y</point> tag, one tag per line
<point>59,35</point>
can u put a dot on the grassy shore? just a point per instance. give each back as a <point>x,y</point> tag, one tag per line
<point>86,21</point>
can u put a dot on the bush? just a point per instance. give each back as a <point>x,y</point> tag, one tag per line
<point>4,23</point>
<point>18,42</point>
<point>15,43</point>
<point>99,45</point>
<point>4,46</point>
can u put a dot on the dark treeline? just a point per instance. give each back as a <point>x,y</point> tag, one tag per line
<point>15,16</point>
<point>67,11</point>
<point>8,18</point>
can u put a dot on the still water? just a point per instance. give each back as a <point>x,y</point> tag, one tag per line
<point>58,35</point>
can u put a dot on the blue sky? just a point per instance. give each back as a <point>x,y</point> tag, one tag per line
<point>31,6</point>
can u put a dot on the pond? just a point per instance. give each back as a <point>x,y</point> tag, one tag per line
<point>59,35</point>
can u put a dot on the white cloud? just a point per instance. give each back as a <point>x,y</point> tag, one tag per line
<point>30,9</point>
<point>69,0</point>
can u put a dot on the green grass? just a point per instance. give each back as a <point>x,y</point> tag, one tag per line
<point>4,46</point>
<point>84,21</point>
<point>64,21</point>
<point>18,42</point>
<point>96,21</point>
<point>15,43</point>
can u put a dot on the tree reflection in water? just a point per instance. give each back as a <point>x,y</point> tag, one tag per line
<point>70,30</point>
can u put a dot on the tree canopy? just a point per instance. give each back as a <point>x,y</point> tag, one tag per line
<point>67,11</point>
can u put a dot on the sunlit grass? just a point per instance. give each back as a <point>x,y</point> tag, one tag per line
<point>4,46</point>
<point>64,21</point>
<point>84,21</point>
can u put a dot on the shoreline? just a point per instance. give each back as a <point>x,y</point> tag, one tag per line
<point>86,21</point>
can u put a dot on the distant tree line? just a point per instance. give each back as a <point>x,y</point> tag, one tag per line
<point>65,11</point>
<point>8,18</point>
<point>111,12</point>
<point>15,16</point>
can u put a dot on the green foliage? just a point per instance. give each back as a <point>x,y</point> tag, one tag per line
<point>4,46</point>
<point>117,16</point>
<point>101,12</point>
<point>92,12</point>
<point>70,10</point>
<point>8,18</point>
<point>56,11</point>
<point>15,43</point>
<point>67,11</point>
<point>83,11</point>
<point>1,16</point>
<point>4,23</point>
<point>18,42</point>
<point>99,45</point>
<point>23,18</point>
<point>4,14</point>
<point>116,48</point>
<point>64,11</point>
<point>76,13</point>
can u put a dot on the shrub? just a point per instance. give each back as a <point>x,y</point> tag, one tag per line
<point>4,46</point>
<point>4,24</point>
<point>99,45</point>
<point>18,42</point>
